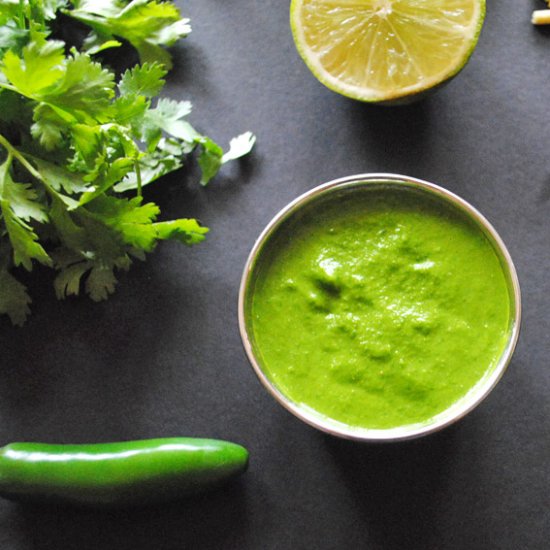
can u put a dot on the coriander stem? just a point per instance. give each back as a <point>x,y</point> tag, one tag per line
<point>39,15</point>
<point>7,86</point>
<point>9,160</point>
<point>137,168</point>
<point>12,151</point>
<point>21,20</point>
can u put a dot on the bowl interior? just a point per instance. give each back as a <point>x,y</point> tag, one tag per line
<point>365,184</point>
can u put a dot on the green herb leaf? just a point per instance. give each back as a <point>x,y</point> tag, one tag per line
<point>86,86</point>
<point>12,36</point>
<point>73,138</point>
<point>168,116</point>
<point>101,282</point>
<point>239,146</point>
<point>145,80</point>
<point>129,218</point>
<point>14,299</point>
<point>38,70</point>
<point>186,231</point>
<point>166,158</point>
<point>49,128</point>
<point>59,178</point>
<point>23,239</point>
<point>17,207</point>
<point>210,159</point>
<point>146,24</point>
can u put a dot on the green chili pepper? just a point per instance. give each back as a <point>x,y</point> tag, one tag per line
<point>118,474</point>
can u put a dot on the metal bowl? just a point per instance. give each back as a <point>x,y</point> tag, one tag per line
<point>450,415</point>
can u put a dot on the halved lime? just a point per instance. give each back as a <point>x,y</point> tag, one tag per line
<point>385,50</point>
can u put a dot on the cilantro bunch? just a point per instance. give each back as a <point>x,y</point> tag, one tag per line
<point>77,145</point>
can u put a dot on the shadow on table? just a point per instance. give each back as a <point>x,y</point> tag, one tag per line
<point>397,485</point>
<point>544,193</point>
<point>209,521</point>
<point>395,135</point>
<point>98,362</point>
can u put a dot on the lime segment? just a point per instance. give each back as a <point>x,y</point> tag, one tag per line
<point>381,50</point>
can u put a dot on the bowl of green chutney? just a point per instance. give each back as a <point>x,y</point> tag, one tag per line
<point>379,307</point>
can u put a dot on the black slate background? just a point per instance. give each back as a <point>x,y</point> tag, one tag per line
<point>163,356</point>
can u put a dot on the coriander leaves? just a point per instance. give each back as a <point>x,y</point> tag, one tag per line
<point>78,145</point>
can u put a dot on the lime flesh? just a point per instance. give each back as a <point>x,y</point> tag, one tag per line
<point>385,50</point>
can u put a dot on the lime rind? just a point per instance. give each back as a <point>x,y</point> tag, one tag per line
<point>316,58</point>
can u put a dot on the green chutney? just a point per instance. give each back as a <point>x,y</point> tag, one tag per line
<point>379,308</point>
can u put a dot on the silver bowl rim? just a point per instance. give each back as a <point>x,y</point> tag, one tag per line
<point>412,431</point>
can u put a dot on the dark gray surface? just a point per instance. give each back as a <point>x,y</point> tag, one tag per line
<point>163,356</point>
